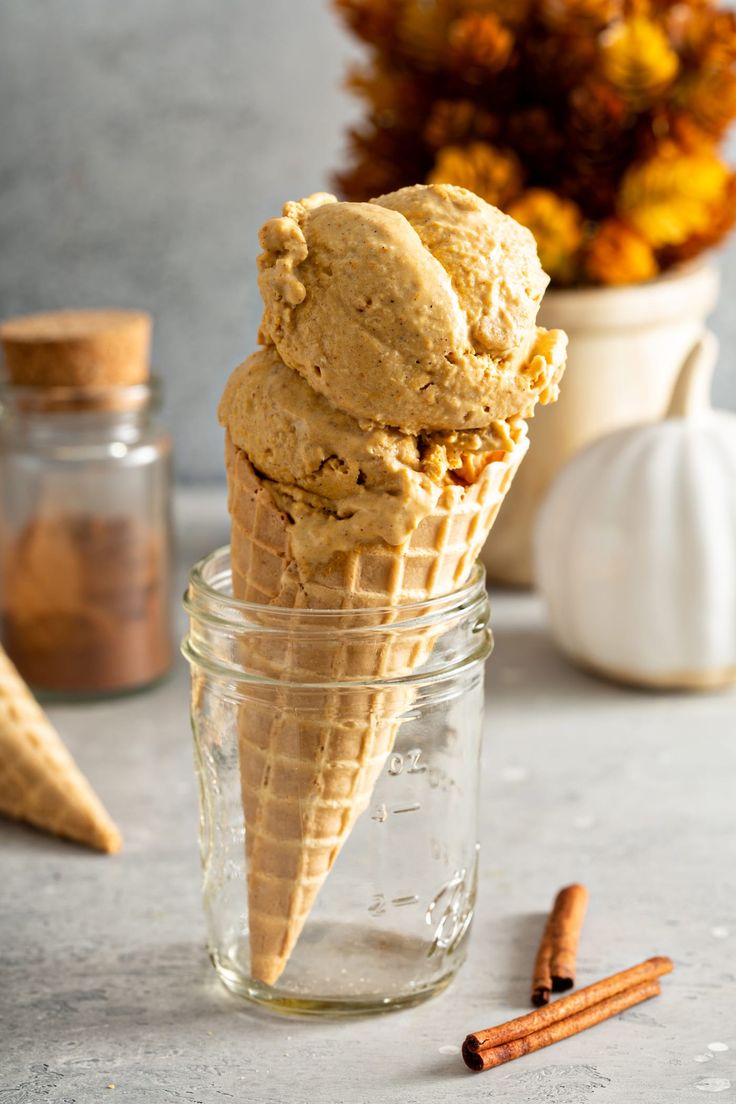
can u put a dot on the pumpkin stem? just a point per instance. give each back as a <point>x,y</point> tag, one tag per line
<point>691,393</point>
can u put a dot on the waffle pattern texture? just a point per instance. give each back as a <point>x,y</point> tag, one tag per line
<point>39,781</point>
<point>310,757</point>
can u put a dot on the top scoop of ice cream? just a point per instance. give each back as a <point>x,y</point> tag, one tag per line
<point>416,310</point>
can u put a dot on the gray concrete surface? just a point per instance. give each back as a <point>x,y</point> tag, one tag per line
<point>143,144</point>
<point>104,979</point>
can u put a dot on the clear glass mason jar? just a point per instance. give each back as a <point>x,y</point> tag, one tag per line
<point>386,925</point>
<point>85,546</point>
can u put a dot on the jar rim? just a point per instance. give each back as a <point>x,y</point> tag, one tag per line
<point>224,631</point>
<point>206,598</point>
<point>68,398</point>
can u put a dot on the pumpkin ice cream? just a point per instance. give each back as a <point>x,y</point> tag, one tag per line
<point>416,310</point>
<point>341,481</point>
<point>369,446</point>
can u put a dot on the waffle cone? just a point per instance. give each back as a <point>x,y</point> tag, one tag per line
<point>39,781</point>
<point>309,760</point>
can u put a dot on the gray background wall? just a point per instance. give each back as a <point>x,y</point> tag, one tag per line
<point>144,142</point>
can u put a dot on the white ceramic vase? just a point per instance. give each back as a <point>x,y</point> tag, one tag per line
<point>627,346</point>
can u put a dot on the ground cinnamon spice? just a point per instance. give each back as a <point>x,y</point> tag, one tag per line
<point>86,602</point>
<point>84,496</point>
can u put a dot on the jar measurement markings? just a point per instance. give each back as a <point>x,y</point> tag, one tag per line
<point>378,905</point>
<point>406,762</point>
<point>382,812</point>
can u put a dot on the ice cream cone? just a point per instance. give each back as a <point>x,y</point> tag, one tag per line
<point>308,767</point>
<point>370,443</point>
<point>39,781</point>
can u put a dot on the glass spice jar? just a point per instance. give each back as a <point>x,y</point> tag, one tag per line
<point>85,533</point>
<point>387,919</point>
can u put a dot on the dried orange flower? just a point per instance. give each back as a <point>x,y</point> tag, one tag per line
<point>593,188</point>
<point>710,98</point>
<point>513,12</point>
<point>365,179</point>
<point>684,132</point>
<point>673,195</point>
<point>373,169</point>
<point>637,59</point>
<point>557,225</point>
<point>479,45</point>
<point>422,28</point>
<point>380,160</point>
<point>392,94</point>
<point>454,122</point>
<point>533,133</point>
<point>668,126</point>
<point>371,20</point>
<point>723,221</point>
<point>611,109</point>
<point>561,60</point>
<point>493,174</point>
<point>591,13</point>
<point>617,254</point>
<point>597,114</point>
<point>703,36</point>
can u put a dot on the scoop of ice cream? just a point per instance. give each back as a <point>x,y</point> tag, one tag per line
<point>416,310</point>
<point>343,482</point>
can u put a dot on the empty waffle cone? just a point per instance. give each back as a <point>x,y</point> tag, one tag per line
<point>39,781</point>
<point>309,761</point>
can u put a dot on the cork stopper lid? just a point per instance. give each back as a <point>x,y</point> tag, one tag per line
<point>77,348</point>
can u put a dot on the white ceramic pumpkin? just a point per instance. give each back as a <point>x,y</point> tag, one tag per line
<point>635,545</point>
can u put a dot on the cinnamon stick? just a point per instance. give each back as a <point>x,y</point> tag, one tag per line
<point>554,968</point>
<point>577,1002</point>
<point>489,1057</point>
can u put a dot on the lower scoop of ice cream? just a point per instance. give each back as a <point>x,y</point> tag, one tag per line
<point>342,482</point>
<point>416,310</point>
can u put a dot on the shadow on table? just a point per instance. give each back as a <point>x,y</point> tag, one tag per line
<point>503,948</point>
<point>510,946</point>
<point>83,988</point>
<point>166,992</point>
